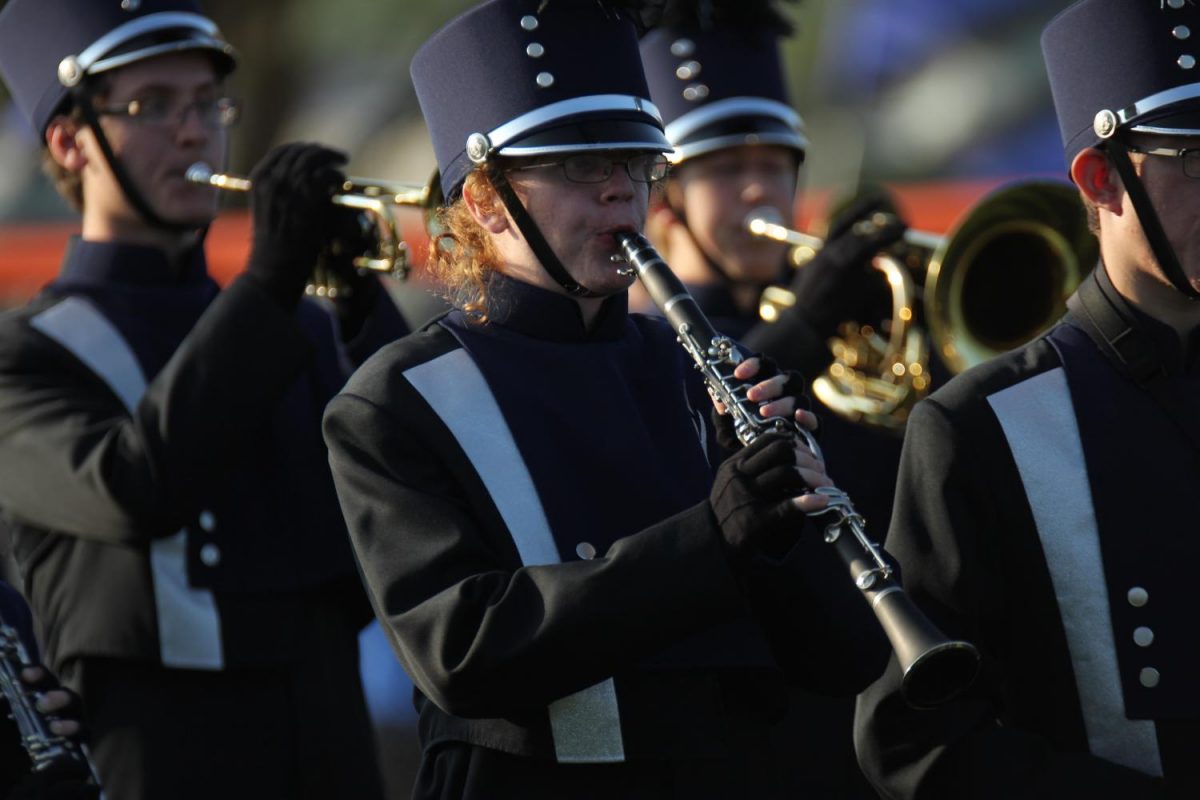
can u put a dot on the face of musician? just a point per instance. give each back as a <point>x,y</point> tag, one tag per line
<point>578,207</point>
<point>714,193</point>
<point>158,115</point>
<point>1175,196</point>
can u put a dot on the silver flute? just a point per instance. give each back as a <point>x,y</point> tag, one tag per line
<point>47,750</point>
<point>935,668</point>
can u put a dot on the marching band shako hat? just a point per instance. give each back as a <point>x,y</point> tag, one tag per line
<point>533,77</point>
<point>1124,65</point>
<point>721,87</point>
<point>48,47</point>
<point>1117,66</point>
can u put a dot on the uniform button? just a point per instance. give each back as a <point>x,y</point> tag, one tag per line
<point>1143,637</point>
<point>1149,677</point>
<point>208,521</point>
<point>210,554</point>
<point>1138,597</point>
<point>585,550</point>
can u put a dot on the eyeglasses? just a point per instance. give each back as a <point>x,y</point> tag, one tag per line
<point>591,168</point>
<point>1189,157</point>
<point>214,113</point>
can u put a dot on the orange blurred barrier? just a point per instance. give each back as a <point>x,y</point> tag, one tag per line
<point>30,253</point>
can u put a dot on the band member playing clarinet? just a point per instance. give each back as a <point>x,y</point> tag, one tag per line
<point>1047,499</point>
<point>161,460</point>
<point>593,601</point>
<point>57,774</point>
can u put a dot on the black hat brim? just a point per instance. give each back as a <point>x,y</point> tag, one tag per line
<point>1172,122</point>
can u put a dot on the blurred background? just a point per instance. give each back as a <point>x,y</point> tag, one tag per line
<point>941,100</point>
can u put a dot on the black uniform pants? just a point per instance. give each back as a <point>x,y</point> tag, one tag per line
<point>300,731</point>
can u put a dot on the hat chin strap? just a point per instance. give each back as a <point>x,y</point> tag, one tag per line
<point>1151,225</point>
<point>533,235</point>
<point>149,215</point>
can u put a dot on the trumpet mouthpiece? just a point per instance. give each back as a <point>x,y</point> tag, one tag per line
<point>199,172</point>
<point>758,219</point>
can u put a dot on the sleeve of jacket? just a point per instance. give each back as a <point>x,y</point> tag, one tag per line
<point>479,634</point>
<point>383,324</point>
<point>949,504</point>
<point>74,460</point>
<point>792,342</point>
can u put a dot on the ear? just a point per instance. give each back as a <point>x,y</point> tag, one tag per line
<point>488,212</point>
<point>63,142</point>
<point>673,193</point>
<point>1097,179</point>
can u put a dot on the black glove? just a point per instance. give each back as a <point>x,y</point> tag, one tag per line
<point>353,291</point>
<point>751,496</point>
<point>64,779</point>
<point>796,386</point>
<point>839,282</point>
<point>293,217</point>
<point>72,711</point>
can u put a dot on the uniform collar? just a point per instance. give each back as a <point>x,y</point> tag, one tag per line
<point>544,314</point>
<point>1179,350</point>
<point>91,263</point>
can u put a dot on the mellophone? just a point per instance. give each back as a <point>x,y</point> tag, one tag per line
<point>935,668</point>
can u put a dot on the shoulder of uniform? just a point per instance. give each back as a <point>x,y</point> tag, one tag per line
<point>374,379</point>
<point>974,386</point>
<point>17,332</point>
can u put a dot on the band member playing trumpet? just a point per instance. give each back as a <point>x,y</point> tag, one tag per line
<point>160,455</point>
<point>529,480</point>
<point>1046,506</point>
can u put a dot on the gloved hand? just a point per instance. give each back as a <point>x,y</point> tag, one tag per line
<point>838,283</point>
<point>61,706</point>
<point>751,497</point>
<point>354,292</point>
<point>293,216</point>
<point>794,386</point>
<point>65,779</point>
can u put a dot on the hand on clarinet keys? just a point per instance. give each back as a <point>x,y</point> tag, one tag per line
<point>60,705</point>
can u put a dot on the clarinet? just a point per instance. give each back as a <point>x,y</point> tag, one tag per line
<point>935,668</point>
<point>46,749</point>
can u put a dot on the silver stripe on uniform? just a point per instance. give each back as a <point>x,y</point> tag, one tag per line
<point>189,629</point>
<point>586,726</point>
<point>1038,420</point>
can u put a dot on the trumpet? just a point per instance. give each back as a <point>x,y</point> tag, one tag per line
<point>375,199</point>
<point>997,280</point>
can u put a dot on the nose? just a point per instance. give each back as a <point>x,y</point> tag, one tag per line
<point>754,190</point>
<point>189,127</point>
<point>619,187</point>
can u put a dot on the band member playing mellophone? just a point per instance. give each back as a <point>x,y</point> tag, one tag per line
<point>597,590</point>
